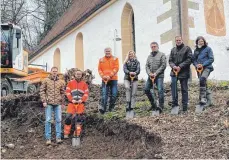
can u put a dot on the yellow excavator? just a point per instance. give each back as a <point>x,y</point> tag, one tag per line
<point>16,76</point>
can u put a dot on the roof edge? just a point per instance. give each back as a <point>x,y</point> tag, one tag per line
<point>68,29</point>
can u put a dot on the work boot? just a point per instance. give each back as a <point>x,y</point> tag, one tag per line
<point>185,108</point>
<point>66,136</point>
<point>209,97</point>
<point>203,99</point>
<point>59,140</point>
<point>48,142</point>
<point>153,106</point>
<point>161,107</point>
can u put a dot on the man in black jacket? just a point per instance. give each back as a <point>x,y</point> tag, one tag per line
<point>180,60</point>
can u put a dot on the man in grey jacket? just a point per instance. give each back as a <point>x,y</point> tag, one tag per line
<point>180,60</point>
<point>155,67</point>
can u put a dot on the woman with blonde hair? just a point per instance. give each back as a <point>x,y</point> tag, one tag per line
<point>131,69</point>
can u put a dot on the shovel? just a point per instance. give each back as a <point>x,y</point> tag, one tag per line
<point>175,110</point>
<point>199,108</point>
<point>130,112</point>
<point>154,112</point>
<point>200,69</point>
<point>76,138</point>
<point>102,108</point>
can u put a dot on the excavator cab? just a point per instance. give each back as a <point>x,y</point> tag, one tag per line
<point>14,61</point>
<point>13,58</point>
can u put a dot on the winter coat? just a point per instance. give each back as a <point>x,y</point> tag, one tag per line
<point>156,63</point>
<point>203,56</point>
<point>181,56</point>
<point>52,91</point>
<point>77,91</point>
<point>132,65</point>
<point>109,67</point>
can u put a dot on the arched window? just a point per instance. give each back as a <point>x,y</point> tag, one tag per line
<point>56,59</point>
<point>128,30</point>
<point>79,55</point>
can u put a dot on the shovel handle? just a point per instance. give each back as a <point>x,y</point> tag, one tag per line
<point>200,69</point>
<point>105,81</point>
<point>152,78</point>
<point>132,77</point>
<point>175,72</point>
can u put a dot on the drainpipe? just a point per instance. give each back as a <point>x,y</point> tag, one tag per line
<point>180,16</point>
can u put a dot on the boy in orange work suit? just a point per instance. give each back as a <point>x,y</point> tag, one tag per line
<point>77,94</point>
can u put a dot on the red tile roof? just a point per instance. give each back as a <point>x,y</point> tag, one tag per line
<point>75,15</point>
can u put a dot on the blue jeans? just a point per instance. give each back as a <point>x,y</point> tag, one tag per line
<point>111,86</point>
<point>184,91</point>
<point>150,93</point>
<point>48,118</point>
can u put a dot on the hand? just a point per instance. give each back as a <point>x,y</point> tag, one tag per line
<point>45,104</point>
<point>63,107</point>
<point>199,66</point>
<point>74,101</point>
<point>79,101</point>
<point>151,74</point>
<point>178,69</point>
<point>104,77</point>
<point>175,68</point>
<point>132,73</point>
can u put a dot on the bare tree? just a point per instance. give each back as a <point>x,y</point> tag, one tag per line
<point>36,18</point>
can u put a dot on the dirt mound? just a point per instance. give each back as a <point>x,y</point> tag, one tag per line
<point>101,139</point>
<point>110,136</point>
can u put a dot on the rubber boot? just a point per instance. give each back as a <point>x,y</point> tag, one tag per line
<point>209,97</point>
<point>203,99</point>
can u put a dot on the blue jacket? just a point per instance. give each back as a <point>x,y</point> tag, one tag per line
<point>203,56</point>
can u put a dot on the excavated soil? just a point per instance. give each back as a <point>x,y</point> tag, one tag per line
<point>182,136</point>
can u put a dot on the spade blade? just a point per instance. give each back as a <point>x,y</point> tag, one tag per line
<point>175,110</point>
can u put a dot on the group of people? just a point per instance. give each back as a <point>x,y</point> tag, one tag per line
<point>53,89</point>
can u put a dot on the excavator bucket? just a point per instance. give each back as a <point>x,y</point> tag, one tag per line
<point>175,110</point>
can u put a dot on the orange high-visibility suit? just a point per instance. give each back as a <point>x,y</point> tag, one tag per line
<point>109,66</point>
<point>75,91</point>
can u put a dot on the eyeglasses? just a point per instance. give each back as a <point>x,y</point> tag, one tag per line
<point>153,46</point>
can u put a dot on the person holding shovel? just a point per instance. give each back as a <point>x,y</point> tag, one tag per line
<point>131,69</point>
<point>202,60</point>
<point>77,93</point>
<point>155,67</point>
<point>180,60</point>
<point>108,70</point>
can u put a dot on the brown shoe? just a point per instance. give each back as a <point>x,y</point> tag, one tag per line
<point>58,141</point>
<point>48,142</point>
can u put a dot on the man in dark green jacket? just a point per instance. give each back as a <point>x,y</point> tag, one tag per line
<point>180,60</point>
